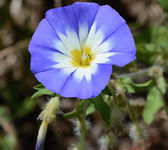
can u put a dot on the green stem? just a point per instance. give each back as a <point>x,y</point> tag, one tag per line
<point>139,74</point>
<point>113,103</point>
<point>134,118</point>
<point>131,111</point>
<point>83,127</point>
<point>111,141</point>
<point>143,72</point>
<point>112,90</point>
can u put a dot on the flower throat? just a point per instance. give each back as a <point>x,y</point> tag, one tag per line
<point>83,57</point>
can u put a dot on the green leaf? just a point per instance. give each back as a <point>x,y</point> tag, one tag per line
<point>162,84</point>
<point>106,91</point>
<point>154,103</point>
<point>102,108</point>
<point>71,114</point>
<point>38,87</point>
<point>142,53</point>
<point>127,84</point>
<point>90,110</point>
<point>164,4</point>
<point>41,92</point>
<point>143,85</point>
<point>150,47</point>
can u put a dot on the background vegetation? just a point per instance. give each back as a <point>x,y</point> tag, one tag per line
<point>143,81</point>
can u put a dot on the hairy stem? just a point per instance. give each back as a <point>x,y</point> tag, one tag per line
<point>131,111</point>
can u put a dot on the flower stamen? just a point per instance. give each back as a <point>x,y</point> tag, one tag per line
<point>83,57</point>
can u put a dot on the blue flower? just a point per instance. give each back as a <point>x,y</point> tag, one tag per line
<point>74,47</point>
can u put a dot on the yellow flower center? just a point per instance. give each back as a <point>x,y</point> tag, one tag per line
<point>83,57</point>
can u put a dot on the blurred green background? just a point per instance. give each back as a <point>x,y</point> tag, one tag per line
<point>18,112</point>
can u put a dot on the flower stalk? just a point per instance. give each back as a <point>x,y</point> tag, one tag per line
<point>47,116</point>
<point>83,127</point>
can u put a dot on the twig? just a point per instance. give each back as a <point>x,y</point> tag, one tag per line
<point>11,49</point>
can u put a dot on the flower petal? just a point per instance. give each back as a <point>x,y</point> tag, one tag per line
<point>41,58</point>
<point>45,36</point>
<point>53,80</point>
<point>106,22</point>
<point>120,59</point>
<point>62,18</point>
<point>118,49</point>
<point>119,41</point>
<point>85,14</point>
<point>44,59</point>
<point>84,88</point>
<point>74,88</point>
<point>101,78</point>
<point>115,58</point>
<point>63,21</point>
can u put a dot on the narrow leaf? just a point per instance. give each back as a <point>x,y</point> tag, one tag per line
<point>162,84</point>
<point>38,87</point>
<point>102,108</point>
<point>127,84</point>
<point>41,92</point>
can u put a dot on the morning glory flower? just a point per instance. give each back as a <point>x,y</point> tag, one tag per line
<point>74,47</point>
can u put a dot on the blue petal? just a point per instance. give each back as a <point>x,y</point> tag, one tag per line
<point>101,78</point>
<point>74,88</point>
<point>44,35</point>
<point>87,89</point>
<point>85,13</point>
<point>41,58</point>
<point>121,59</point>
<point>53,80</point>
<point>122,40</point>
<point>62,18</point>
<point>108,20</point>
<point>68,86</point>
